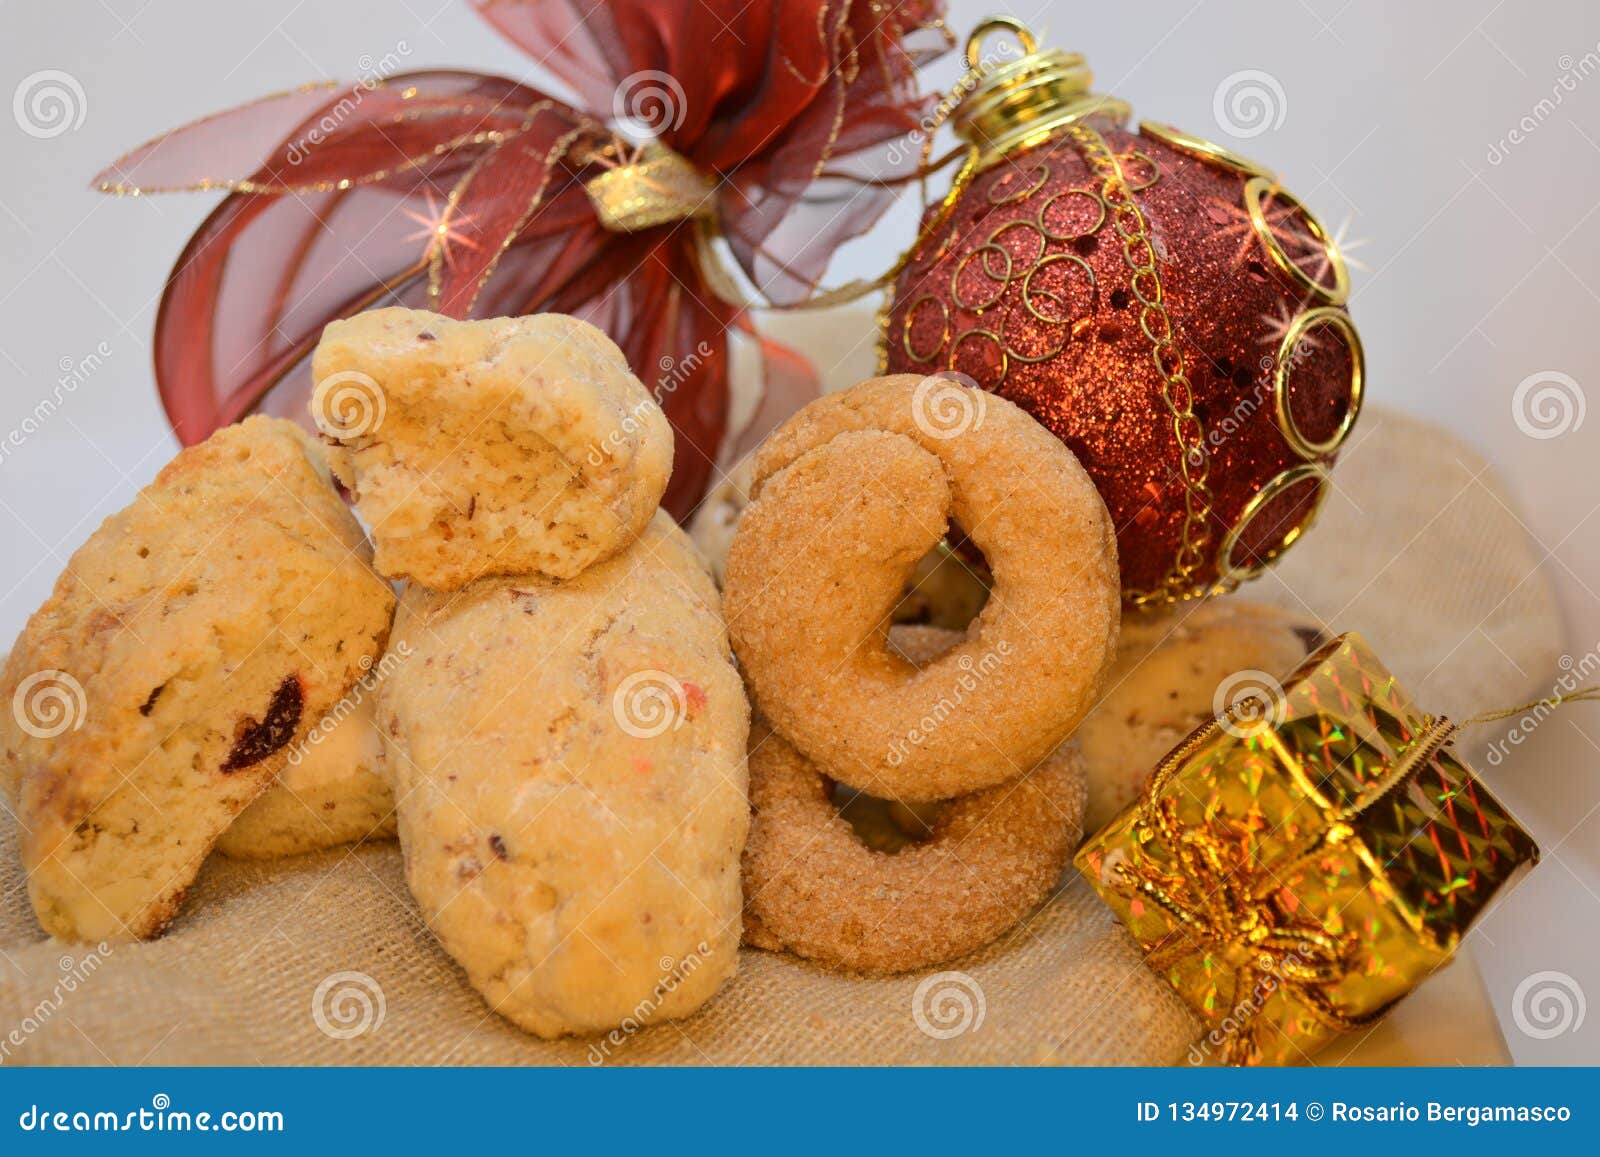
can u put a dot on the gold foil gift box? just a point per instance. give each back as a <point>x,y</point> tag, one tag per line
<point>1296,867</point>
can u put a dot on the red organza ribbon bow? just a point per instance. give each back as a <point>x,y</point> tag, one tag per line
<point>768,126</point>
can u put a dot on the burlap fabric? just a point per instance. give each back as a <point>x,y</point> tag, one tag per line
<point>283,963</point>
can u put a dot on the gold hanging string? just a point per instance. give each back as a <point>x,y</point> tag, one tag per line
<point>634,195</point>
<point>1549,703</point>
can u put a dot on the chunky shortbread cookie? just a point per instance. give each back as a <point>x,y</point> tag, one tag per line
<point>570,773</point>
<point>194,637</point>
<point>333,789</point>
<point>506,446</point>
<point>1173,672</point>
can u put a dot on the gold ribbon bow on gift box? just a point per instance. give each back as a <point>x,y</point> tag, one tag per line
<point>1293,875</point>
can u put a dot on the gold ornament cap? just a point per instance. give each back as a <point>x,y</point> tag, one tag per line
<point>1022,103</point>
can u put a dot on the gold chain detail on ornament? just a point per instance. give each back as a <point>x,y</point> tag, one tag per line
<point>1177,393</point>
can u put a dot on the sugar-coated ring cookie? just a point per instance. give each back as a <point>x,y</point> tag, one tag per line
<point>1174,671</point>
<point>850,493</point>
<point>813,888</point>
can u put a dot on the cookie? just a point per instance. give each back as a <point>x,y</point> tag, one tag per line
<point>332,789</point>
<point>505,446</point>
<point>1173,672</point>
<point>944,589</point>
<point>814,888</point>
<point>190,641</point>
<point>850,494</point>
<point>570,772</point>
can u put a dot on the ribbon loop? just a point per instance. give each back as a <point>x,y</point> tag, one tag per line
<point>656,187</point>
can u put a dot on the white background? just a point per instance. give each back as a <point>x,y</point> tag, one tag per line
<point>1476,274</point>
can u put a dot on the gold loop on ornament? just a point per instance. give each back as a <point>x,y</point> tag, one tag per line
<point>1028,292</point>
<point>1298,329</point>
<point>1166,335</point>
<point>1005,354</point>
<point>1145,262</point>
<point>1151,297</point>
<point>1204,150</point>
<point>1011,24</point>
<point>955,277</point>
<point>905,329</point>
<point>1135,186</point>
<point>1029,309</point>
<point>1340,291</point>
<point>1011,199</point>
<point>1036,231</point>
<point>1044,211</point>
<point>1230,572</point>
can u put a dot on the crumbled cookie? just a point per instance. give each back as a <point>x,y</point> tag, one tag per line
<point>333,789</point>
<point>190,641</point>
<point>505,446</point>
<point>569,765</point>
<point>1172,672</point>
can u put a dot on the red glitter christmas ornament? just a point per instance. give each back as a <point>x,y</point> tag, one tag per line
<point>1160,303</point>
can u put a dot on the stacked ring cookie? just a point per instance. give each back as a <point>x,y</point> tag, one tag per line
<point>989,859</point>
<point>849,494</point>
